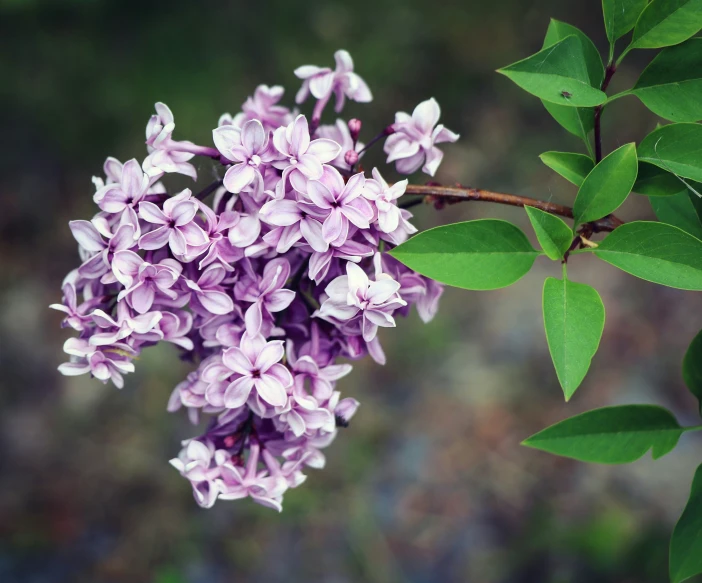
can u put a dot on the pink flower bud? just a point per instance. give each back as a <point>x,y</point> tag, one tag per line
<point>351,157</point>
<point>355,128</point>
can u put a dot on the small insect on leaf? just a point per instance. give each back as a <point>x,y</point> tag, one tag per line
<point>566,94</point>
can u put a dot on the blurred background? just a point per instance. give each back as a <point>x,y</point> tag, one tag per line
<point>429,483</point>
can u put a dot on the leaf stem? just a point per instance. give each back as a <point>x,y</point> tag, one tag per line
<point>617,96</point>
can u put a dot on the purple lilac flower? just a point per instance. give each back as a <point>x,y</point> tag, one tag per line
<point>175,225</point>
<point>302,157</point>
<point>262,106</point>
<point>127,186</point>
<point>353,294</point>
<point>340,133</point>
<point>101,252</point>
<point>209,294</point>
<point>264,287</point>
<point>384,197</point>
<point>338,204</point>
<point>166,155</point>
<point>195,463</point>
<point>143,281</point>
<point>322,82</point>
<point>256,366</point>
<point>249,150</point>
<point>103,362</point>
<point>413,143</point>
<point>292,223</point>
<point>220,251</point>
<point>265,292</point>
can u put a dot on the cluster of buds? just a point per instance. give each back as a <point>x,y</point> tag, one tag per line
<point>265,288</point>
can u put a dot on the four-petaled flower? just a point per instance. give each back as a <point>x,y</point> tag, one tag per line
<point>105,363</point>
<point>256,363</point>
<point>176,226</point>
<point>302,157</point>
<point>322,82</point>
<point>165,154</point>
<point>263,106</point>
<point>249,149</point>
<point>384,197</point>
<point>338,204</point>
<point>127,192</point>
<point>414,140</point>
<point>351,294</point>
<point>142,281</point>
<point>265,489</point>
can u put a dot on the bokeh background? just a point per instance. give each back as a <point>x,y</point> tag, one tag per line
<point>429,483</point>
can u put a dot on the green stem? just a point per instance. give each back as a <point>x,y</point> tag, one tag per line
<point>617,96</point>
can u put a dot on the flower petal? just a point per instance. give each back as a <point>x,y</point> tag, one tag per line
<point>239,177</point>
<point>271,390</point>
<point>238,392</point>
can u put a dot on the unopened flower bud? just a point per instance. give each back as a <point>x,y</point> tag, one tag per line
<point>355,128</point>
<point>351,157</point>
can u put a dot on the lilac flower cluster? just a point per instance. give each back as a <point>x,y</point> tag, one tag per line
<point>264,289</point>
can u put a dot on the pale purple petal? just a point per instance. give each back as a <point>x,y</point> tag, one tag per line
<point>238,392</point>
<point>434,157</point>
<point>273,352</point>
<point>151,213</point>
<point>87,236</point>
<point>236,360</point>
<point>324,150</point>
<point>271,390</point>
<point>426,115</point>
<point>239,177</point>
<point>253,137</point>
<point>216,302</point>
<point>142,298</point>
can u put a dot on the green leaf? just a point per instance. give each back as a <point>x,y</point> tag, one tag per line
<point>655,252</point>
<point>676,147</point>
<point>678,210</point>
<point>620,16</point>
<point>579,120</point>
<point>671,85</point>
<point>692,368</point>
<point>553,234</point>
<point>606,187</point>
<point>479,255</point>
<point>612,435</point>
<point>573,167</point>
<point>667,22</point>
<point>558,30</point>
<point>574,317</point>
<point>686,542</point>
<point>654,181</point>
<point>557,74</point>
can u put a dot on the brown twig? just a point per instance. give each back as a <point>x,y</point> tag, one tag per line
<point>455,194</point>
